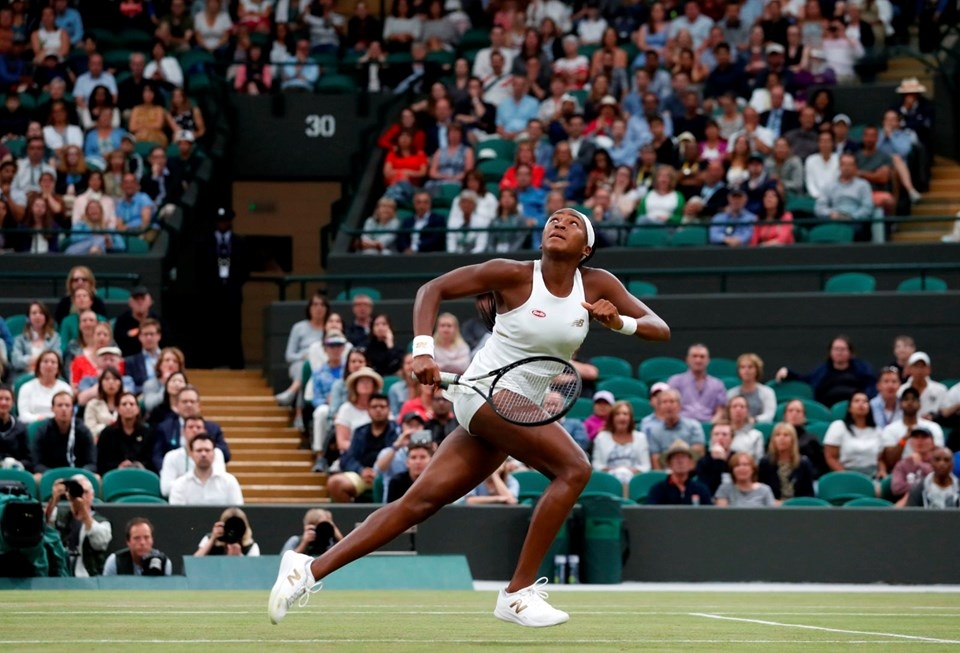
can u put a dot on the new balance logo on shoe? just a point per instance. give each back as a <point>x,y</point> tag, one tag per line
<point>518,606</point>
<point>294,577</point>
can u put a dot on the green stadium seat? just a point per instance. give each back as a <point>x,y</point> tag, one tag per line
<point>624,386</point>
<point>690,237</point>
<point>641,406</point>
<point>641,483</point>
<point>336,84</point>
<point>441,57</point>
<point>840,487</point>
<point>886,488</point>
<point>831,233</point>
<point>868,502</point>
<point>137,245</point>
<point>817,429</point>
<point>23,477</point>
<point>922,284</point>
<point>143,148</point>
<point>388,382</point>
<point>660,368</point>
<point>504,149</point>
<point>839,409</point>
<point>446,194</point>
<point>372,293</point>
<point>376,494</point>
<point>192,60</point>
<point>851,282</point>
<point>648,237</point>
<point>806,501</point>
<point>641,288</point>
<point>604,484</point>
<point>787,390</point>
<point>123,482</point>
<point>802,204</point>
<point>494,168</point>
<point>730,382</point>
<point>582,408</point>
<point>475,39</point>
<point>51,476</point>
<point>115,292</point>
<point>766,429</point>
<point>134,39</point>
<point>33,430</point>
<point>816,412</point>
<point>140,498</point>
<point>608,366</point>
<point>532,484</point>
<point>722,367</point>
<point>16,323</point>
<point>117,59</point>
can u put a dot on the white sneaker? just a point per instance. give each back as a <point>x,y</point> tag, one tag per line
<point>528,607</point>
<point>293,582</point>
<point>285,398</point>
<point>915,196</point>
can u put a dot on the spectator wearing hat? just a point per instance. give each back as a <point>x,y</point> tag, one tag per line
<point>603,401</point>
<point>679,488</point>
<point>915,110</point>
<point>938,489</point>
<point>757,183</point>
<point>353,414</point>
<point>185,165</point>
<point>841,129</point>
<point>931,392</point>
<point>87,386</point>
<point>126,329</point>
<point>654,397</point>
<point>848,198</point>
<point>223,267</point>
<point>392,460</point>
<point>322,379</point>
<point>734,225</point>
<point>776,67</point>
<point>915,466</point>
<point>672,426</point>
<point>357,462</point>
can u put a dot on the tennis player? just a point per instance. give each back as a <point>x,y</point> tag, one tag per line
<point>542,308</point>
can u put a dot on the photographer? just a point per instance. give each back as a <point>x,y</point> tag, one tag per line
<point>139,558</point>
<point>231,536</point>
<point>85,534</point>
<point>319,534</point>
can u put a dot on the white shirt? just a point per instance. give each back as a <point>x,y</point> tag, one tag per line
<point>27,178</point>
<point>931,398</point>
<point>170,71</point>
<point>818,174</point>
<point>481,63</point>
<point>749,441</point>
<point>895,431</point>
<point>53,139</point>
<point>859,449</point>
<point>221,489</point>
<point>177,463</point>
<point>466,242</point>
<point>34,400</point>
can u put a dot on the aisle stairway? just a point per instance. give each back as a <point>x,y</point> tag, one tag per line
<point>943,197</point>
<point>266,457</point>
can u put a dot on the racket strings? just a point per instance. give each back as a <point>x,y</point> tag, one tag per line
<point>536,392</point>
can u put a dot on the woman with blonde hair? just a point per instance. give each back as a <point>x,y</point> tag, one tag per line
<point>743,490</point>
<point>231,521</point>
<point>663,204</point>
<point>452,352</point>
<point>788,473</point>
<point>745,437</point>
<point>620,448</point>
<point>761,399</point>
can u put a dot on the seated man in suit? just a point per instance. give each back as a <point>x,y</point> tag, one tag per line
<point>143,366</point>
<point>424,231</point>
<point>170,433</point>
<point>779,119</point>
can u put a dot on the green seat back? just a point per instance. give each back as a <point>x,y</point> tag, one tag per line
<point>839,409</point>
<point>115,292</point>
<point>582,408</point>
<point>493,169</point>
<point>123,482</point>
<point>33,430</point>
<point>831,233</point>
<point>641,483</point>
<point>609,366</point>
<point>851,282</point>
<point>766,429</point>
<point>787,390</point>
<point>532,484</point>
<point>604,484</point>
<point>15,324</point>
<point>722,367</point>
<point>51,476</point>
<point>372,293</point>
<point>648,237</point>
<point>817,429</point>
<point>337,84</point>
<point>660,368</point>
<point>504,149</point>
<point>641,407</point>
<point>137,245</point>
<point>23,477</point>
<point>377,489</point>
<point>690,237</point>
<point>641,288</point>
<point>868,502</point>
<point>922,284</point>
<point>840,487</point>
<point>806,501</point>
<point>624,386</point>
<point>140,498</point>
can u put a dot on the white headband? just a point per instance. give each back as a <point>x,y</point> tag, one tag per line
<point>591,235</point>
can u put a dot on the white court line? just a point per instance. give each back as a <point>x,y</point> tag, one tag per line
<point>485,641</point>
<point>735,588</point>
<point>916,638</point>
<point>386,611</point>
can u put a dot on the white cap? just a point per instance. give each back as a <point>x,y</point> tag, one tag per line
<point>918,357</point>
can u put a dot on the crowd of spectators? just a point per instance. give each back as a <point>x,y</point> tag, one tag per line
<point>638,115</point>
<point>739,432</point>
<point>102,395</point>
<point>97,133</point>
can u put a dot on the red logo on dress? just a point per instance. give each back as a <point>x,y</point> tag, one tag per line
<point>538,313</point>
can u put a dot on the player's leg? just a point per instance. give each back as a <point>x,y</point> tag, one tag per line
<point>550,450</point>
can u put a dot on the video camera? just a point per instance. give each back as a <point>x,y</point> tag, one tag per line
<point>152,564</point>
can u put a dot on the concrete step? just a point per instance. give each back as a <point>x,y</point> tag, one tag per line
<point>275,421</point>
<point>249,455</point>
<point>271,466</point>
<point>939,208</point>
<point>274,491</point>
<point>258,444</point>
<point>287,479</point>
<point>284,500</point>
<point>244,410</point>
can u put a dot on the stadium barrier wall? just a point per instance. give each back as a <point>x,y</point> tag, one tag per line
<point>793,328</point>
<point>836,545</point>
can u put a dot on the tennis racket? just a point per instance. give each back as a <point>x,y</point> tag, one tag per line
<point>531,392</point>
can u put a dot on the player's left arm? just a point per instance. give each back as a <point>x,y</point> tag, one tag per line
<point>607,301</point>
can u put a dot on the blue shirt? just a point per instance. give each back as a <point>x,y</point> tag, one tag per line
<point>725,225</point>
<point>71,22</point>
<point>323,380</point>
<point>533,200</point>
<point>94,147</point>
<point>899,142</point>
<point>129,210</point>
<point>514,116</point>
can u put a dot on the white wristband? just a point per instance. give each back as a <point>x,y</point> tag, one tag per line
<point>423,346</point>
<point>629,325</point>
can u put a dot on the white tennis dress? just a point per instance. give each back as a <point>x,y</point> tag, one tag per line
<point>544,325</point>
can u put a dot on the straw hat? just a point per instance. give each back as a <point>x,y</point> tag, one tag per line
<point>911,85</point>
<point>364,372</point>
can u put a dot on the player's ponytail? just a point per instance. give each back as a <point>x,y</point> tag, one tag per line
<point>487,309</point>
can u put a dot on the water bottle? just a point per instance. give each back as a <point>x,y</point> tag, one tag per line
<point>559,569</point>
<point>573,562</point>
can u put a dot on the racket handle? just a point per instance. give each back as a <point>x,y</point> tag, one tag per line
<point>448,379</point>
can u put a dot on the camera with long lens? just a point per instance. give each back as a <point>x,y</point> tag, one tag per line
<point>324,539</point>
<point>74,488</point>
<point>233,530</point>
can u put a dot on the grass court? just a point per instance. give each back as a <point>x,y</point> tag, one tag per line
<point>400,621</point>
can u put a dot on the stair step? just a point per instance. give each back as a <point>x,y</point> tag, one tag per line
<point>946,184</point>
<point>251,479</point>
<point>917,237</point>
<point>250,420</point>
<point>305,491</point>
<point>278,466</point>
<point>257,444</point>
<point>244,410</point>
<point>243,454</point>
<point>283,500</point>
<point>225,374</point>
<point>240,399</point>
<point>938,209</point>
